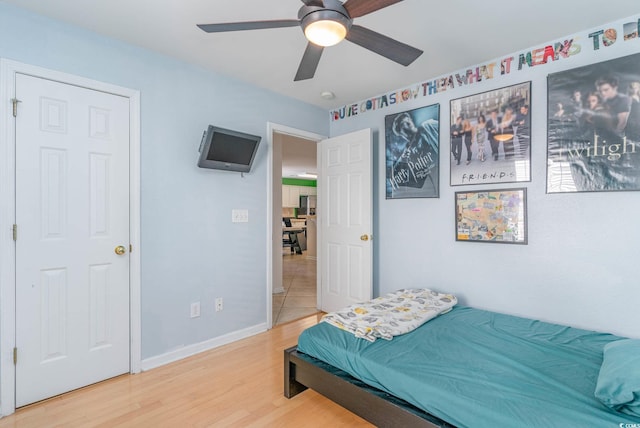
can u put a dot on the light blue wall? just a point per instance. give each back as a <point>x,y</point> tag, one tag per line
<point>581,264</point>
<point>191,250</point>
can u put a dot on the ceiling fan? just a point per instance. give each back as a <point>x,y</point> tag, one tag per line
<point>326,23</point>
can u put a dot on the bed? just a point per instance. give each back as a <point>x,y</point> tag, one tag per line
<point>473,368</point>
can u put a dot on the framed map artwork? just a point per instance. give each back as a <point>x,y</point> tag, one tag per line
<point>497,216</point>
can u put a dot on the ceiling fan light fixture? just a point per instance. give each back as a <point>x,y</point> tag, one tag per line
<point>325,32</point>
<point>324,27</point>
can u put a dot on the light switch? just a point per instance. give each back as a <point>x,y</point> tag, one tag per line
<point>239,216</point>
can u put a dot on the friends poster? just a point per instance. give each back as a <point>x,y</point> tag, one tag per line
<point>412,153</point>
<point>593,127</point>
<point>490,136</point>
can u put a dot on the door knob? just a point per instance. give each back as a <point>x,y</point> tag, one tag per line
<point>364,237</point>
<point>120,250</point>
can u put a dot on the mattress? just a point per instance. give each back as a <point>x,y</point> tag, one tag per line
<point>474,368</point>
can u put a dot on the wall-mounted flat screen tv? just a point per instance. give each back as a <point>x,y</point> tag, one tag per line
<point>227,150</point>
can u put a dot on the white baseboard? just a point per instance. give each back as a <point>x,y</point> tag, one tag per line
<point>278,290</point>
<point>188,351</point>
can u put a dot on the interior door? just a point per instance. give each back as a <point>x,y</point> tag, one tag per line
<point>72,247</point>
<point>345,220</point>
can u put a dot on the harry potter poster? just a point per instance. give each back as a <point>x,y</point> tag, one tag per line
<point>412,160</point>
<point>593,127</point>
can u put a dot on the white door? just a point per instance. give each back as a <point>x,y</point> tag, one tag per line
<point>72,211</point>
<point>345,220</point>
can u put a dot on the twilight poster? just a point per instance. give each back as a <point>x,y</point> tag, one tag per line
<point>593,127</point>
<point>412,140</point>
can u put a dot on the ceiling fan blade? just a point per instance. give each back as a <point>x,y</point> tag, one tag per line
<point>357,8</point>
<point>383,45</point>
<point>249,25</point>
<point>309,62</point>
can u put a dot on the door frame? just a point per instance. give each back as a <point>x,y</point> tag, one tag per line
<point>8,71</point>
<point>274,178</point>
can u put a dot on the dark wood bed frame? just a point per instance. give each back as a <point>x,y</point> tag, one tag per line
<point>380,408</point>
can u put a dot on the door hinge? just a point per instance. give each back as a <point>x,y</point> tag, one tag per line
<point>15,232</point>
<point>15,102</point>
<point>15,356</point>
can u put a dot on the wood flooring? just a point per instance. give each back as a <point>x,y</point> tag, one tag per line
<point>236,385</point>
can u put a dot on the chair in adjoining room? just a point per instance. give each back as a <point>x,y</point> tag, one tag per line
<point>290,237</point>
<point>286,237</point>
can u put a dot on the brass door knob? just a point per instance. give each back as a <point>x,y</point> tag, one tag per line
<point>364,237</point>
<point>120,250</point>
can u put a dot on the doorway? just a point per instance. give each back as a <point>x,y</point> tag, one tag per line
<point>293,290</point>
<point>345,171</point>
<point>32,112</point>
<point>298,297</point>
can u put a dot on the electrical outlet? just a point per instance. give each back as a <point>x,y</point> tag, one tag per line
<point>219,306</point>
<point>195,309</point>
<point>239,216</point>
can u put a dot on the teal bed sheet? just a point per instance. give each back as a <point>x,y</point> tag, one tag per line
<point>474,368</point>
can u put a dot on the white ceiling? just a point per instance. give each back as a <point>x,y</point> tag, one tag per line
<point>454,34</point>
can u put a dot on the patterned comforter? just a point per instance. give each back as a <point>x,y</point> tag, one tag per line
<point>391,315</point>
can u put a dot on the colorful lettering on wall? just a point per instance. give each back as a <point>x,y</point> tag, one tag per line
<point>481,72</point>
<point>608,37</point>
<point>533,58</point>
<point>548,53</point>
<point>631,30</point>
